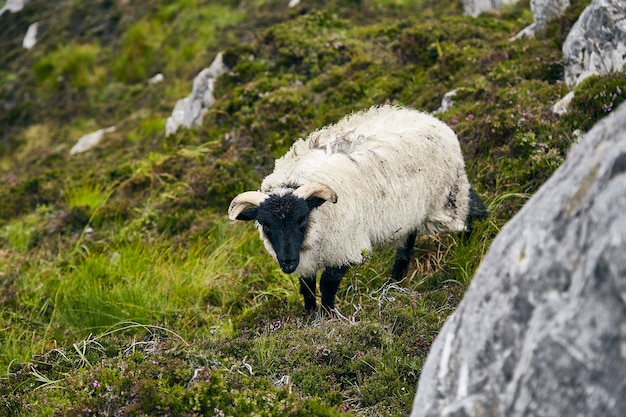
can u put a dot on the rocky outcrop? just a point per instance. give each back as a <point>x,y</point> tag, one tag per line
<point>597,42</point>
<point>541,330</point>
<point>190,110</point>
<point>476,7</point>
<point>543,12</point>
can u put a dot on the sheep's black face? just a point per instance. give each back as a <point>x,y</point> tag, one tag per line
<point>284,221</point>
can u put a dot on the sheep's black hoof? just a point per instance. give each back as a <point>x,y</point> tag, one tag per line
<point>323,312</point>
<point>400,268</point>
<point>310,310</point>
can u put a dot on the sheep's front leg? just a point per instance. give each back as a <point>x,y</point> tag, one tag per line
<point>403,257</point>
<point>329,283</point>
<point>307,289</point>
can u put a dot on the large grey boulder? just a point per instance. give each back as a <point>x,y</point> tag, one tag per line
<point>189,111</point>
<point>541,330</point>
<point>543,12</point>
<point>597,42</point>
<point>475,7</point>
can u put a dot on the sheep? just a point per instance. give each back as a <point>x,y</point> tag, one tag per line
<point>380,176</point>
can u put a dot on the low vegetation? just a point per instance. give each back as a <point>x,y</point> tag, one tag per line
<point>124,290</point>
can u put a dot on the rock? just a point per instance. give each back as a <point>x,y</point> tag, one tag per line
<point>30,39</point>
<point>90,140</point>
<point>190,110</point>
<point>475,7</point>
<point>596,44</point>
<point>562,106</point>
<point>13,6</point>
<point>543,12</point>
<point>546,10</point>
<point>541,330</point>
<point>156,79</point>
<point>446,102</point>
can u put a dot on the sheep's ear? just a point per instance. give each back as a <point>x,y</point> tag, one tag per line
<point>316,194</point>
<point>248,214</point>
<point>243,201</point>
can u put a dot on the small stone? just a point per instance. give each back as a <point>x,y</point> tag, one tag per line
<point>158,78</point>
<point>30,39</point>
<point>90,140</point>
<point>562,106</point>
<point>13,6</point>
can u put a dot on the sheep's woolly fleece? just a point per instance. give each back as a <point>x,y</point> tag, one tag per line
<point>395,170</point>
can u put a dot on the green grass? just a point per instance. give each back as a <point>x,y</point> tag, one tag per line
<point>19,234</point>
<point>70,66</point>
<point>123,286</point>
<point>92,195</point>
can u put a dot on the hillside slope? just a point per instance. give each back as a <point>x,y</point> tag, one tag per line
<point>124,290</point>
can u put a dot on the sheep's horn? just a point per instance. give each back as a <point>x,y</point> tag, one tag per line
<point>243,200</point>
<point>318,190</point>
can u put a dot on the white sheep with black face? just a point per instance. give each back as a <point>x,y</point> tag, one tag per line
<point>381,176</point>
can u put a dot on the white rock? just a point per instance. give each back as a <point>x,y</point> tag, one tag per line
<point>543,12</point>
<point>596,44</point>
<point>476,7</point>
<point>30,39</point>
<point>158,78</point>
<point>190,110</point>
<point>13,6</point>
<point>446,102</point>
<point>562,106</point>
<point>546,10</point>
<point>90,140</point>
<point>528,32</point>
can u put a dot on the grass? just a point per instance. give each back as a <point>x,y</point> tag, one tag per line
<point>124,288</point>
<point>70,66</point>
<point>19,234</point>
<point>92,195</point>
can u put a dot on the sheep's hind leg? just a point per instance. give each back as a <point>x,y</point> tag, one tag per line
<point>403,257</point>
<point>307,289</point>
<point>477,211</point>
<point>329,283</point>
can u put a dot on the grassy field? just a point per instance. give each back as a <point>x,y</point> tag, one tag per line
<point>125,290</point>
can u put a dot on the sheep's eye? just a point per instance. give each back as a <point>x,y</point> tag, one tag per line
<point>266,229</point>
<point>304,224</point>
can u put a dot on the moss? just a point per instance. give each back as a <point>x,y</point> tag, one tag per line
<point>138,59</point>
<point>595,98</point>
<point>70,67</point>
<point>153,384</point>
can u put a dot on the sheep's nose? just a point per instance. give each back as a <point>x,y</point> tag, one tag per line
<point>288,266</point>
